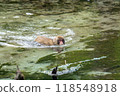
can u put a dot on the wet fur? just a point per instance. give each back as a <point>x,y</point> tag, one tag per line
<point>48,41</point>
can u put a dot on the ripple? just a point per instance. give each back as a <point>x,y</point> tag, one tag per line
<point>69,32</point>
<point>72,69</point>
<point>16,17</point>
<point>22,37</point>
<point>53,28</point>
<point>29,13</point>
<point>10,31</point>
<point>2,33</point>
<point>99,73</point>
<point>6,44</point>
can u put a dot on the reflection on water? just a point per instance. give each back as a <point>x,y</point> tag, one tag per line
<point>91,50</point>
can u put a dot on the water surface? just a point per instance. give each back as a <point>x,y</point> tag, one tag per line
<point>91,50</point>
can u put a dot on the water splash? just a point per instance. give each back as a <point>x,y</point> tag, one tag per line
<point>69,32</point>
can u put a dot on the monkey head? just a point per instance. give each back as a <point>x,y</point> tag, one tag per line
<point>59,40</point>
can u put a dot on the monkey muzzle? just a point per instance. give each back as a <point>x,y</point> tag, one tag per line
<point>61,42</point>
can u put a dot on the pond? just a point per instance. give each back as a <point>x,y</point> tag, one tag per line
<point>92,44</point>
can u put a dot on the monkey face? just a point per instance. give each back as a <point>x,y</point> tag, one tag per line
<point>60,41</point>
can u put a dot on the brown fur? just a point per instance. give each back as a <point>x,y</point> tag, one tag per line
<point>48,41</point>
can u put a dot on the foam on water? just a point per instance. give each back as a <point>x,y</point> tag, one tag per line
<point>29,13</point>
<point>17,39</point>
<point>27,38</point>
<point>6,44</point>
<point>16,17</point>
<point>53,28</point>
<point>69,32</point>
<point>71,69</point>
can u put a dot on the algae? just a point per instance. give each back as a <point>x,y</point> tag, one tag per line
<point>91,30</point>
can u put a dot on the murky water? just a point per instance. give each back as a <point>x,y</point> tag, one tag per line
<point>91,50</point>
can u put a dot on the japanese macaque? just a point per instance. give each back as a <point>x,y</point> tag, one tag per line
<point>59,40</point>
<point>19,75</point>
<point>54,72</point>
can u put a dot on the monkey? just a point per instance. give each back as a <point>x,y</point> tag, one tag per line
<point>19,75</point>
<point>58,40</point>
<point>54,71</point>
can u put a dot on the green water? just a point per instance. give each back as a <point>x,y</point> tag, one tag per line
<point>91,50</point>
